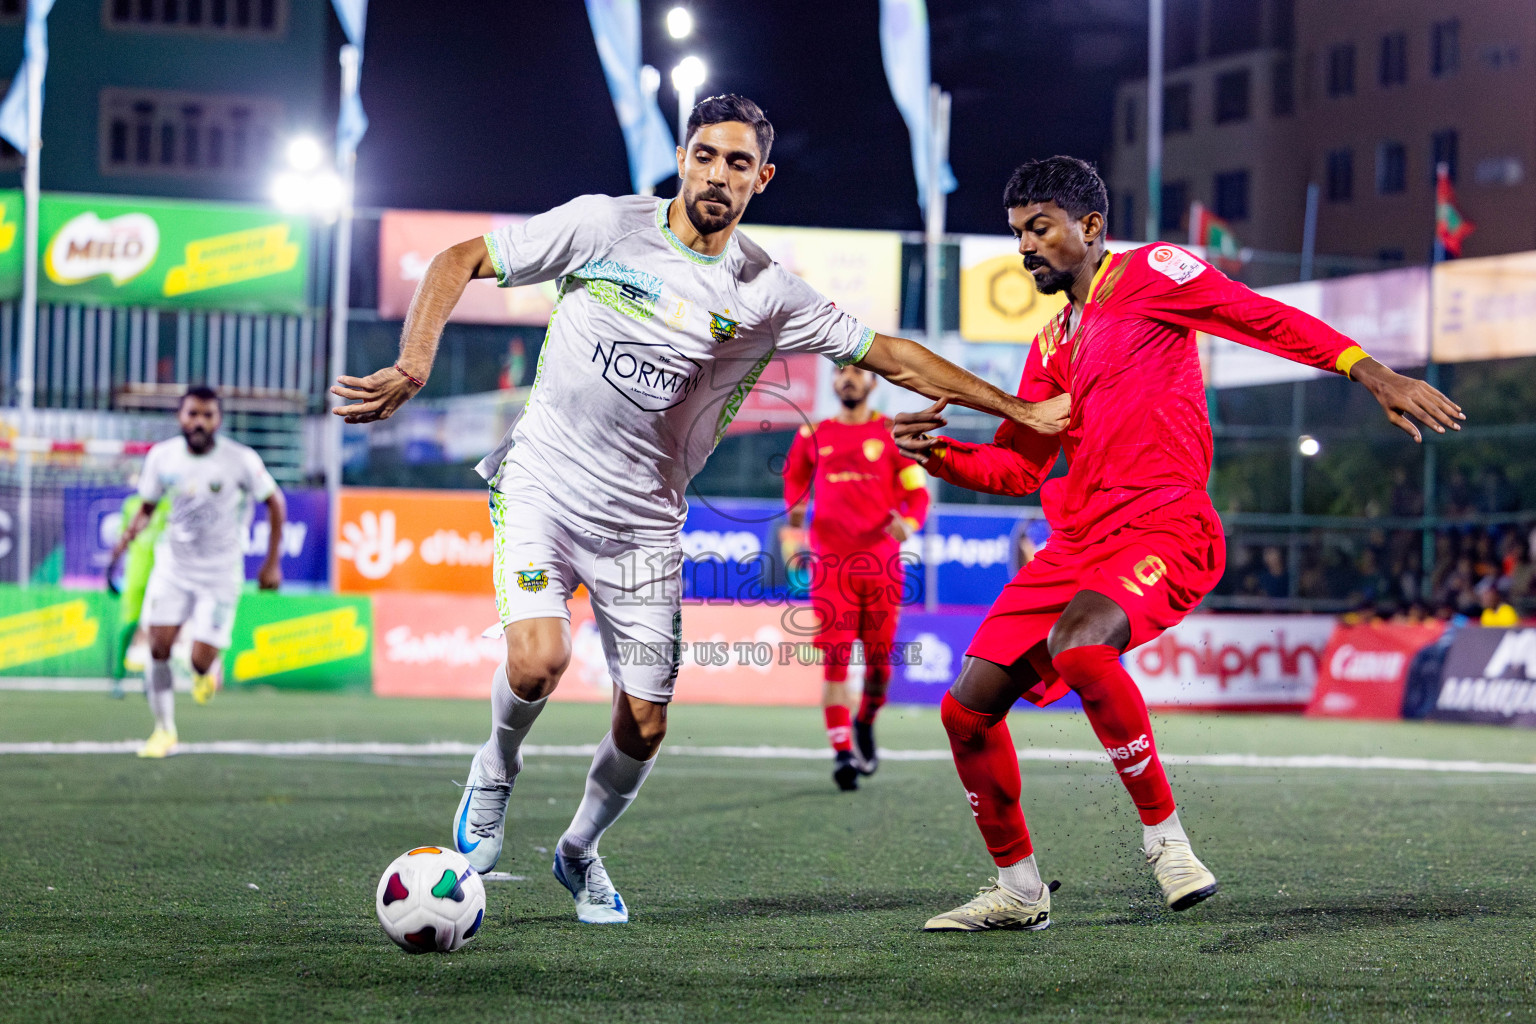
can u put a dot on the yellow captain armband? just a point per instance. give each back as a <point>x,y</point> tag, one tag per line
<point>913,478</point>
<point>1349,357</point>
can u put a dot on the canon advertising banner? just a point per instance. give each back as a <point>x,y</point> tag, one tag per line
<point>1233,662</point>
<point>1365,669</point>
<point>1490,677</point>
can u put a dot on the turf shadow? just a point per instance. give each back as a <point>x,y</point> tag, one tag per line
<point>1303,922</point>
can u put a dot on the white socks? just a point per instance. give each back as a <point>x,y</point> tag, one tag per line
<point>511,718</point>
<point>612,783</point>
<point>1022,879</point>
<point>162,698</point>
<point>1168,828</point>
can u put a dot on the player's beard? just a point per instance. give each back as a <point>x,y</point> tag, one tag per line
<point>708,223</point>
<point>1053,281</point>
<point>198,439</point>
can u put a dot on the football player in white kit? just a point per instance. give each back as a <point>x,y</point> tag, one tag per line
<point>211,483</point>
<point>667,316</point>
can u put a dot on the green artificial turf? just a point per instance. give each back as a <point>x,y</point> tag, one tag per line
<point>758,892</point>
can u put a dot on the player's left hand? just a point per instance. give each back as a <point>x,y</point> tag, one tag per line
<point>374,397</point>
<point>1402,397</point>
<point>911,431</point>
<point>898,527</point>
<point>270,577</point>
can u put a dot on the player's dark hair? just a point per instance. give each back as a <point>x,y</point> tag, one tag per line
<point>201,392</point>
<point>1070,183</point>
<point>730,107</point>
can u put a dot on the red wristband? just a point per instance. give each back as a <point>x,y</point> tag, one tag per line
<point>419,383</point>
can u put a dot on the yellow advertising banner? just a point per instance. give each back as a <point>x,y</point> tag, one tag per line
<point>998,300</point>
<point>1485,308</point>
<point>858,270</point>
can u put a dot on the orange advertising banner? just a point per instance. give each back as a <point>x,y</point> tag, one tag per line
<point>399,539</point>
<point>430,645</point>
<point>408,239</point>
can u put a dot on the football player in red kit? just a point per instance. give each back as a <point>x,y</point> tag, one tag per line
<point>869,498</point>
<point>1135,542</point>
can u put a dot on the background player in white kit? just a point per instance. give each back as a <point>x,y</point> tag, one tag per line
<point>211,483</point>
<point>666,318</point>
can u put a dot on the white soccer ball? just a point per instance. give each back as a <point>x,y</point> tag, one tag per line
<point>430,900</point>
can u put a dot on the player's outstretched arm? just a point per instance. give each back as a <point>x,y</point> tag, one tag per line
<point>1402,397</point>
<point>915,368</point>
<point>1015,463</point>
<point>378,395</point>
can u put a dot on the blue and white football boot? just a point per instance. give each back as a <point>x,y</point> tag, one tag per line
<point>480,823</point>
<point>597,901</point>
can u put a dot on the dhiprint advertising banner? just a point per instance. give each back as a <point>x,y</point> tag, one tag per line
<point>858,270</point>
<point>1485,308</point>
<point>408,239</point>
<point>168,254</point>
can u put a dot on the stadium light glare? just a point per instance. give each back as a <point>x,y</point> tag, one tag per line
<point>688,75</point>
<point>679,23</point>
<point>290,191</point>
<point>304,153</point>
<point>1308,445</point>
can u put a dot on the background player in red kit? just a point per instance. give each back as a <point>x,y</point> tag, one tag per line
<point>1135,542</point>
<point>869,498</point>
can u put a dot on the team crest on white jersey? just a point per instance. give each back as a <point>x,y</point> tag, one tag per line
<point>1174,263</point>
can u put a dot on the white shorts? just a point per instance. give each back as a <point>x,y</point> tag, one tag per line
<point>635,588</point>
<point>208,610</point>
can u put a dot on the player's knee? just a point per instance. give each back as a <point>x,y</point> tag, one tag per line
<point>876,679</point>
<point>963,724</point>
<point>533,670</point>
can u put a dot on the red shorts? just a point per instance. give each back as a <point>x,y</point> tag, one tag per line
<point>856,597</point>
<point>1157,568</point>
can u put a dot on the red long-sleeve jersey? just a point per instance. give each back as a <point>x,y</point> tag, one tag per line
<point>860,478</point>
<point>1139,435</point>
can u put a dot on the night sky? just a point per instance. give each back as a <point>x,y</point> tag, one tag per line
<point>503,107</point>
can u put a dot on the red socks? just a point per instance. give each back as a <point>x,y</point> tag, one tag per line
<point>839,728</point>
<point>1118,715</point>
<point>989,770</point>
<point>875,683</point>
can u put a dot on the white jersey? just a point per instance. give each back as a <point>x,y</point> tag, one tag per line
<point>211,498</point>
<point>649,354</point>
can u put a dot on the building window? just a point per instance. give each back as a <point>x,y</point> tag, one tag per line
<point>1341,70</point>
<point>1341,175</point>
<point>1232,195</point>
<point>1130,121</point>
<point>1171,218</point>
<point>1283,88</point>
<point>1442,150</point>
<point>1391,168</point>
<point>1393,68</point>
<point>254,18</point>
<point>1176,108</point>
<point>1444,47</point>
<point>181,134</point>
<point>1232,96</point>
<point>1125,216</point>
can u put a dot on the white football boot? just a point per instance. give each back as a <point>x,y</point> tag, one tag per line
<point>597,901</point>
<point>480,823</point>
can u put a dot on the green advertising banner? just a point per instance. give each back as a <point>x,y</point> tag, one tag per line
<point>166,253</point>
<point>50,631</point>
<point>301,642</point>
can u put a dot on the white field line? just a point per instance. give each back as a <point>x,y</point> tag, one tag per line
<point>317,748</point>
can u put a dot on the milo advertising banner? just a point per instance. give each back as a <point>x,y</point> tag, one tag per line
<point>49,631</point>
<point>131,251</point>
<point>301,642</point>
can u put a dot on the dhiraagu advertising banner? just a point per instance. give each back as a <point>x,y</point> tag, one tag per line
<point>131,251</point>
<point>49,631</point>
<point>298,642</point>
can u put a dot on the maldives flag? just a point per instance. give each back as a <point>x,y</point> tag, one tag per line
<point>1209,230</point>
<point>1450,226</point>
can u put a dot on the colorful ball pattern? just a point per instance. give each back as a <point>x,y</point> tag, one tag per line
<point>430,900</point>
